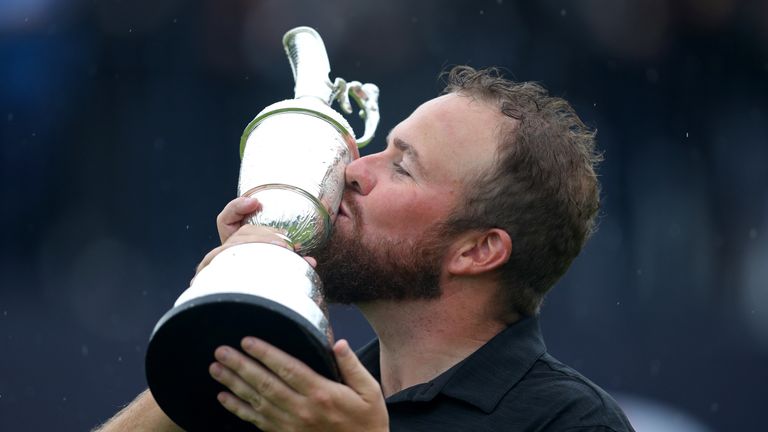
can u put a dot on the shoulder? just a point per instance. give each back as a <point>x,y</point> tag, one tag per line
<point>566,400</point>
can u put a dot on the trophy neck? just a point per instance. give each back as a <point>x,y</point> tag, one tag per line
<point>309,63</point>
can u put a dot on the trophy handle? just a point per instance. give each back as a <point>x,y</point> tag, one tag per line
<point>367,98</point>
<point>309,63</point>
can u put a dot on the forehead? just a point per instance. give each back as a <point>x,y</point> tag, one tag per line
<point>455,135</point>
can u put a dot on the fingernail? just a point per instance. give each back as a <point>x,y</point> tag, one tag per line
<point>222,353</point>
<point>248,342</point>
<point>215,369</point>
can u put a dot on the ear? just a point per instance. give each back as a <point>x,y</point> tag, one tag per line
<point>480,252</point>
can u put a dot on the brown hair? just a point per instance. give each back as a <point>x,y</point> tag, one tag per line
<point>543,189</point>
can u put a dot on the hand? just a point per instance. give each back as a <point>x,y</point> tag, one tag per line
<point>277,392</point>
<point>232,233</point>
<point>234,213</point>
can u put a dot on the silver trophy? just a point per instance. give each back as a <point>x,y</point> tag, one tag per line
<point>294,154</point>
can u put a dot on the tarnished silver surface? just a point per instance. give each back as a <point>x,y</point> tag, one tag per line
<point>231,271</point>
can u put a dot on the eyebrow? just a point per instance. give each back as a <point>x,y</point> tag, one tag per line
<point>408,150</point>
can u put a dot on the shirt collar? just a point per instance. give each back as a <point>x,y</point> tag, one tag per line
<point>481,379</point>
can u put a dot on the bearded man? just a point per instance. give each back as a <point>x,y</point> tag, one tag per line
<point>447,242</point>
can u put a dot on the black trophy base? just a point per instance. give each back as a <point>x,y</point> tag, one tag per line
<point>182,345</point>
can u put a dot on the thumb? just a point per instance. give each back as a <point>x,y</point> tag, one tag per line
<point>354,374</point>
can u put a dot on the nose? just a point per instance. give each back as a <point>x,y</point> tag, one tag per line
<point>359,176</point>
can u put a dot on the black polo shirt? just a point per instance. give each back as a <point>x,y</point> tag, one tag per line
<point>509,384</point>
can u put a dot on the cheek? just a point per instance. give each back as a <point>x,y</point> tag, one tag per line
<point>408,215</point>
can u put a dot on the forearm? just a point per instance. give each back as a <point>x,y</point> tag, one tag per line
<point>143,414</point>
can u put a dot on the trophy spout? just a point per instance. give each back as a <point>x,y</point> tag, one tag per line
<point>309,63</point>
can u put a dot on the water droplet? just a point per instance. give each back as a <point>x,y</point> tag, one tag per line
<point>686,134</point>
<point>130,30</point>
<point>64,399</point>
<point>618,303</point>
<point>482,12</point>
<point>563,12</point>
<point>119,359</point>
<point>594,104</point>
<point>175,20</point>
<point>187,226</point>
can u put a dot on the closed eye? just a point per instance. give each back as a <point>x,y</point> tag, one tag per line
<point>400,170</point>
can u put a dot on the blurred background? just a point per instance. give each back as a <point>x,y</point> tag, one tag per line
<point>120,123</point>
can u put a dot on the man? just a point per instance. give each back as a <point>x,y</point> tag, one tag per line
<point>447,241</point>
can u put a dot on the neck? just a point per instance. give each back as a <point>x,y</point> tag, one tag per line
<point>420,339</point>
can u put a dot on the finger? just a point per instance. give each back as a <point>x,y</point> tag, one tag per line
<point>290,370</point>
<point>311,261</point>
<point>237,209</point>
<point>251,407</point>
<point>237,385</point>
<point>233,214</point>
<point>241,370</point>
<point>354,374</point>
<point>243,410</point>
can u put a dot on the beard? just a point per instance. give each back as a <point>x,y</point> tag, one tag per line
<point>385,269</point>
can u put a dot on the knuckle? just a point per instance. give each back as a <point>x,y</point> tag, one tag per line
<point>254,399</point>
<point>305,415</point>
<point>266,386</point>
<point>287,372</point>
<point>321,398</point>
